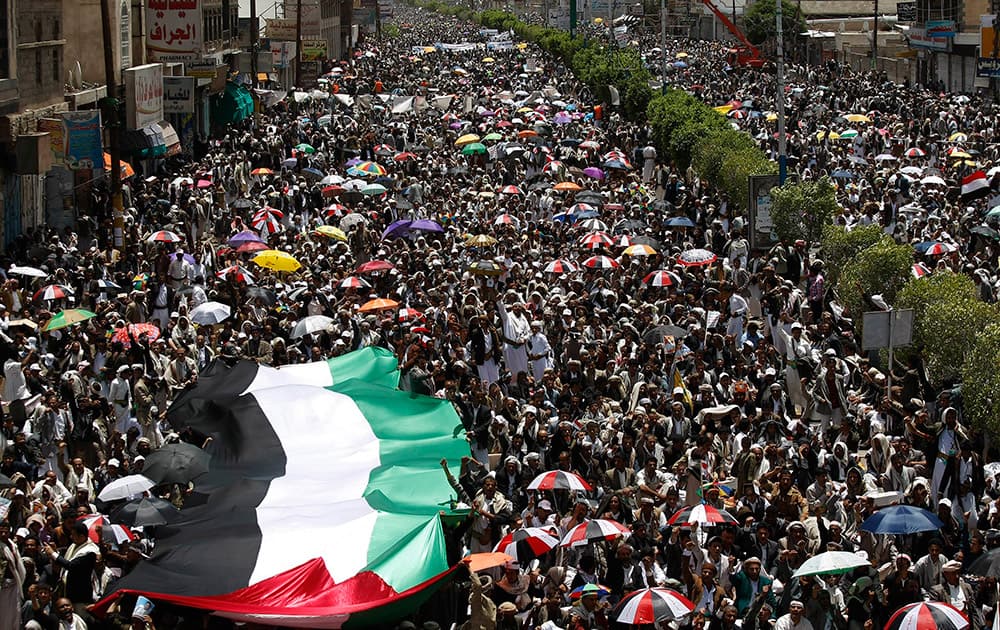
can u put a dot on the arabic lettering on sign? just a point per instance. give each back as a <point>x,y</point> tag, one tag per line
<point>144,95</point>
<point>175,29</point>
<point>84,149</point>
<point>178,95</point>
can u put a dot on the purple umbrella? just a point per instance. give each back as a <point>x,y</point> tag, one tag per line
<point>397,229</point>
<point>426,225</point>
<point>593,171</point>
<point>456,125</point>
<point>562,118</point>
<point>246,236</point>
<point>353,161</point>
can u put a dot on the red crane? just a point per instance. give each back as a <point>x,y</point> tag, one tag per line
<point>744,55</point>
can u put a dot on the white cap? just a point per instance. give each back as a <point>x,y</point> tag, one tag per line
<point>114,462</point>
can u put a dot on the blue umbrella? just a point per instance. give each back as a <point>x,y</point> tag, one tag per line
<point>314,172</point>
<point>397,229</point>
<point>901,519</point>
<point>680,64</point>
<point>680,222</point>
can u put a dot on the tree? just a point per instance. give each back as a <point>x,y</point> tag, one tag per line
<point>802,210</point>
<point>760,23</point>
<point>839,245</point>
<point>920,293</point>
<point>951,328</point>
<point>981,381</point>
<point>881,269</point>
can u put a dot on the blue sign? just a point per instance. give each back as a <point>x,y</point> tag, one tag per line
<point>940,28</point>
<point>84,145</point>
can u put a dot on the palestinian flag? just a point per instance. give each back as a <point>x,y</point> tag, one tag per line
<point>322,504</point>
<point>975,185</point>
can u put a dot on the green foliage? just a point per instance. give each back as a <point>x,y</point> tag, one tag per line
<point>738,164</point>
<point>981,380</point>
<point>390,31</point>
<point>841,245</point>
<point>761,25</point>
<point>951,328</point>
<point>802,210</point>
<point>881,269</point>
<point>920,293</point>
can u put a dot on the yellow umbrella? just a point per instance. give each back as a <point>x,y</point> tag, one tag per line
<point>959,155</point>
<point>958,136</point>
<point>488,59</point>
<point>858,118</point>
<point>832,135</point>
<point>771,117</point>
<point>277,260</point>
<point>429,49</point>
<point>481,240</point>
<point>522,46</point>
<point>468,138</point>
<point>681,55</point>
<point>723,109</point>
<point>639,250</point>
<point>598,20</point>
<point>332,232</point>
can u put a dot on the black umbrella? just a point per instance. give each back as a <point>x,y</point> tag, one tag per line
<point>646,240</point>
<point>266,296</point>
<point>146,511</point>
<point>629,225</point>
<point>5,481</point>
<point>241,204</point>
<point>651,337</point>
<point>176,463</point>
<point>986,564</point>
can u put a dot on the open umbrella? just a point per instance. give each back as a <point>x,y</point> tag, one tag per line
<point>679,222</point>
<point>176,463</point>
<point>592,531</point>
<point>696,257</point>
<point>640,249</point>
<point>311,324</point>
<point>210,313</point>
<point>354,282</point>
<point>481,240</point>
<point>703,514</point>
<point>378,304</point>
<point>527,543</point>
<point>163,236</point>
<point>68,317</point>
<point>374,265</point>
<point>661,278</point>
<point>245,236</point>
<point>831,563</point>
<point>560,266</point>
<point>125,487</point>
<point>52,292</point>
<point>652,605</point>
<point>901,519</point>
<point>30,272</point>
<point>589,589</point>
<point>331,232</point>
<point>277,260</point>
<point>559,480</point>
<point>928,616</point>
<point>601,262</point>
<point>486,268</point>
<point>235,273</point>
<point>146,512</point>
<point>263,294</point>
<point>126,334</point>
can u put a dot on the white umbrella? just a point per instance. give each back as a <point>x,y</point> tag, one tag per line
<point>210,313</point>
<point>311,324</point>
<point>125,487</point>
<point>30,272</point>
<point>831,563</point>
<point>933,180</point>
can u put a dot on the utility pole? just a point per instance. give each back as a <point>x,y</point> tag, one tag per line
<point>663,46</point>
<point>254,43</point>
<point>114,126</point>
<point>780,97</point>
<point>298,44</point>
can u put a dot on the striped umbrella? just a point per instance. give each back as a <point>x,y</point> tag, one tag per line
<point>938,249</point>
<point>919,270</point>
<point>661,278</point>
<point>928,616</point>
<point>594,225</point>
<point>505,219</point>
<point>406,314</point>
<point>915,152</point>
<point>624,241</point>
<point>53,292</point>
<point>374,265</point>
<point>559,480</point>
<point>580,207</point>
<point>702,514</point>
<point>596,240</point>
<point>652,605</point>
<point>601,262</point>
<point>594,530</point>
<point>560,266</point>
<point>696,257</point>
<point>527,543</point>
<point>589,589</point>
<point>267,224</point>
<point>267,211</point>
<point>68,318</point>
<point>336,210</point>
<point>367,168</point>
<point>236,273</point>
<point>511,190</point>
<point>163,236</point>
<point>354,282</point>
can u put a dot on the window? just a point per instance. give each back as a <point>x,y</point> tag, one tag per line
<point>4,39</point>
<point>38,66</point>
<point>56,29</point>
<point>38,31</point>
<point>56,70</point>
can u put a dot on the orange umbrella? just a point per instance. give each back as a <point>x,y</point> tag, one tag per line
<point>567,186</point>
<point>127,170</point>
<point>526,133</point>
<point>378,304</point>
<point>487,560</point>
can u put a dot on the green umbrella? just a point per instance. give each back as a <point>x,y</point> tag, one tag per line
<point>305,148</point>
<point>492,136</point>
<point>994,212</point>
<point>474,148</point>
<point>987,231</point>
<point>68,317</point>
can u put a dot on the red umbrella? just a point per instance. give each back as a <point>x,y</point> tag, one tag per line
<point>53,292</point>
<point>661,278</point>
<point>559,480</point>
<point>652,605</point>
<point>560,266</point>
<point>237,273</point>
<point>928,616</point>
<point>527,543</point>
<point>404,156</point>
<point>268,211</point>
<point>407,313</point>
<point>594,531</point>
<point>596,240</point>
<point>374,265</point>
<point>354,282</point>
<point>163,236</point>
<point>332,191</point>
<point>250,247</point>
<point>336,210</point>
<point>126,334</point>
<point>511,190</point>
<point>99,527</point>
<point>702,514</point>
<point>266,223</point>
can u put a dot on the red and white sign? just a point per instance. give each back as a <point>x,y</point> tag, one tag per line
<point>144,95</point>
<point>174,30</point>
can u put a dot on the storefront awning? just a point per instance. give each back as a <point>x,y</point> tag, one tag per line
<point>145,143</point>
<point>232,106</point>
<point>170,139</point>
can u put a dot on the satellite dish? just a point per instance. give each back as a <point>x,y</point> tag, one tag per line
<point>78,71</point>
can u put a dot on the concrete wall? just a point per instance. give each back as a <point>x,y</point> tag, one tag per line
<point>40,53</point>
<point>84,41</point>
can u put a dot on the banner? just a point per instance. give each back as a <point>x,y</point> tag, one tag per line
<point>940,28</point>
<point>178,95</point>
<point>84,147</point>
<point>906,11</point>
<point>57,138</point>
<point>988,63</point>
<point>313,50</point>
<point>920,38</point>
<point>144,95</point>
<point>311,17</point>
<point>174,30</point>
<point>280,29</point>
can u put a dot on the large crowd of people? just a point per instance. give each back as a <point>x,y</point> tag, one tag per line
<point>588,307</point>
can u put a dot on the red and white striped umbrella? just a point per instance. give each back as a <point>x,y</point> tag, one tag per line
<point>527,543</point>
<point>661,278</point>
<point>504,219</point>
<point>336,210</point>
<point>577,208</point>
<point>406,314</point>
<point>558,480</point>
<point>625,241</point>
<point>601,262</point>
<point>163,236</point>
<point>696,257</point>
<point>268,211</point>
<point>560,266</point>
<point>928,616</point>
<point>702,514</point>
<point>615,155</point>
<point>235,272</point>
<point>511,190</point>
<point>592,531</point>
<point>938,249</point>
<point>594,224</point>
<point>596,240</point>
<point>920,270</point>
<point>100,527</point>
<point>267,224</point>
<point>53,292</point>
<point>354,282</point>
<point>652,605</point>
<point>915,152</point>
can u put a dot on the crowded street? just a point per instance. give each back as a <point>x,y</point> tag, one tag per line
<point>615,407</point>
